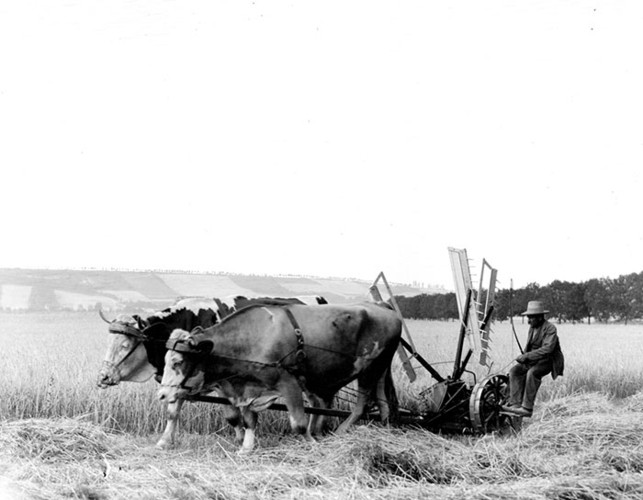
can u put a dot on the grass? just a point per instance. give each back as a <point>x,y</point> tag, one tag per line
<point>61,437</point>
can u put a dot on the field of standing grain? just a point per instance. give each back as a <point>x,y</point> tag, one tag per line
<point>61,437</point>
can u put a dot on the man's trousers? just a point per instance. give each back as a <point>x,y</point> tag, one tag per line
<point>524,382</point>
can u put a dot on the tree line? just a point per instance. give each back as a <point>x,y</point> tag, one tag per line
<point>598,299</point>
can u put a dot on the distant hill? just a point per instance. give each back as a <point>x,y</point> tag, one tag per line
<point>82,290</point>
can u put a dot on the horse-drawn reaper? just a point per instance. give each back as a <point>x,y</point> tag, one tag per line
<point>293,352</point>
<point>451,403</point>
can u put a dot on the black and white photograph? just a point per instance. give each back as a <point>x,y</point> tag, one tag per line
<point>321,250</point>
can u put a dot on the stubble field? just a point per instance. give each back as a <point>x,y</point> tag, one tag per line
<point>61,437</point>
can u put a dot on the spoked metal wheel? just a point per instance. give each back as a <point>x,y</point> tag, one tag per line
<point>487,397</point>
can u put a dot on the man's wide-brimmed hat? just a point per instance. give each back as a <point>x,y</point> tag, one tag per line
<point>534,307</point>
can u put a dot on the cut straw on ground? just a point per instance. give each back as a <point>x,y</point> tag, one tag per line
<point>578,447</point>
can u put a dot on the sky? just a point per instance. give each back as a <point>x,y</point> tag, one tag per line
<point>336,138</point>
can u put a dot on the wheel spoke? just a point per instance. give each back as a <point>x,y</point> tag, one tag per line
<point>489,396</point>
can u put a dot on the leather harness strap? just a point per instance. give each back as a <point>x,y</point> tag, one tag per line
<point>180,345</point>
<point>189,346</point>
<point>125,329</point>
<point>300,355</point>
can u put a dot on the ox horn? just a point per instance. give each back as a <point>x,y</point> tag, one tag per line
<point>100,313</point>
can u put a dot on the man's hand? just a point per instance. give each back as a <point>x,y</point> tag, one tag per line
<point>522,358</point>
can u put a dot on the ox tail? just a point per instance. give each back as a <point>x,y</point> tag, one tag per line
<point>389,392</point>
<point>391,397</point>
<point>384,305</point>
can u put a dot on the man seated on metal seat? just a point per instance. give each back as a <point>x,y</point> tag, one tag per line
<point>542,356</point>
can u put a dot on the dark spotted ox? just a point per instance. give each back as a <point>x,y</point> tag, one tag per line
<point>263,352</point>
<point>136,351</point>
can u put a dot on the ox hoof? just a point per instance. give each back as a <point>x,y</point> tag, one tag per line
<point>238,439</point>
<point>244,452</point>
<point>164,445</point>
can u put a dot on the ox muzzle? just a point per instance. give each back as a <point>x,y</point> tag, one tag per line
<point>108,376</point>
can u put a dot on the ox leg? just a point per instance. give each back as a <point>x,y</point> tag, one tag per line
<point>387,400</point>
<point>173,412</point>
<point>381,400</point>
<point>316,422</point>
<point>250,423</point>
<point>294,399</point>
<point>363,397</point>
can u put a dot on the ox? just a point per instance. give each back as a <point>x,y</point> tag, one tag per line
<point>136,351</point>
<point>260,353</point>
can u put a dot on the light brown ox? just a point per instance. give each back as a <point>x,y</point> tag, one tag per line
<point>253,356</point>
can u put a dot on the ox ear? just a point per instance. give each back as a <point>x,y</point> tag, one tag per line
<point>142,324</point>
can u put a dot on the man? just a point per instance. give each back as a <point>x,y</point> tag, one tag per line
<point>542,356</point>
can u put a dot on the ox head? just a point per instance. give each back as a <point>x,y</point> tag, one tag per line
<point>126,356</point>
<point>184,372</point>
